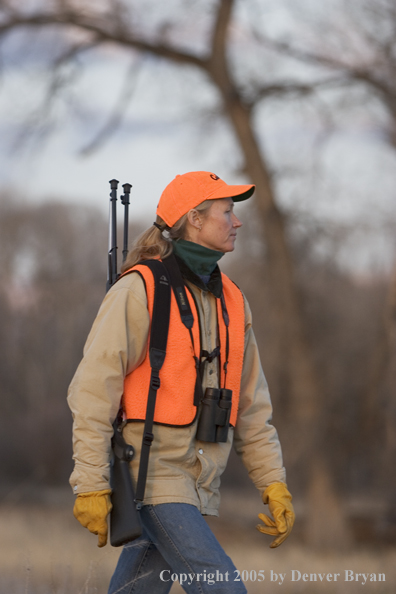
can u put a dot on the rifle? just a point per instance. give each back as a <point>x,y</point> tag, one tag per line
<point>112,274</point>
<point>125,524</point>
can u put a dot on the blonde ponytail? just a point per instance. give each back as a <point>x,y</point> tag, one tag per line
<point>152,243</point>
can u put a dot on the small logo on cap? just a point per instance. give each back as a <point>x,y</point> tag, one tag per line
<point>215,177</point>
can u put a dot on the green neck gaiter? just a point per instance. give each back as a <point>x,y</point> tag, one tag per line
<point>198,258</point>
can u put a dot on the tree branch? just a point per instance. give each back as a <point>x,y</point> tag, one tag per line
<point>353,73</point>
<point>220,30</point>
<point>102,34</point>
<point>295,88</point>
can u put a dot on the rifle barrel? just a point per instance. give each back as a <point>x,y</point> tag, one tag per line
<point>112,258</point>
<point>125,202</point>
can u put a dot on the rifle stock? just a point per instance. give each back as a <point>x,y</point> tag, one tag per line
<point>125,522</point>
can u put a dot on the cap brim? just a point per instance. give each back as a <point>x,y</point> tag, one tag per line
<point>237,193</point>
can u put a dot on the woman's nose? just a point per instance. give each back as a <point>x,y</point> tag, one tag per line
<point>236,222</point>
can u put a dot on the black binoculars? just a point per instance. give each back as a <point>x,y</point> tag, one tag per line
<point>215,415</point>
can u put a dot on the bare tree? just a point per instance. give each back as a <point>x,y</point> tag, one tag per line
<point>86,25</point>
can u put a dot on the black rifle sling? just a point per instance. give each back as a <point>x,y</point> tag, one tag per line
<point>186,315</point>
<point>157,352</point>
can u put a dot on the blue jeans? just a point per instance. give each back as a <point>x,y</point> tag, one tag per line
<point>177,544</point>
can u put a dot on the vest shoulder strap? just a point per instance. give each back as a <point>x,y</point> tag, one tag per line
<point>179,291</point>
<point>157,352</point>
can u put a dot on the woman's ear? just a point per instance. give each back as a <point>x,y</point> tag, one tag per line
<point>194,219</point>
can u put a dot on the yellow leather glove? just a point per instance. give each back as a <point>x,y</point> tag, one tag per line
<point>279,502</point>
<point>91,510</point>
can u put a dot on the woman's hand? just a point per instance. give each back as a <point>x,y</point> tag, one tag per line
<point>91,510</point>
<point>279,502</point>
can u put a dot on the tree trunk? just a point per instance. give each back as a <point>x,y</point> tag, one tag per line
<point>305,390</point>
<point>379,408</point>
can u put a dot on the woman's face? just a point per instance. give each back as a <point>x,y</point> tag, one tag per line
<point>219,226</point>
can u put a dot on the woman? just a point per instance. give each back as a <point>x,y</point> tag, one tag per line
<point>196,209</point>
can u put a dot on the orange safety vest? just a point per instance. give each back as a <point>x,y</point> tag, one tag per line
<point>175,398</point>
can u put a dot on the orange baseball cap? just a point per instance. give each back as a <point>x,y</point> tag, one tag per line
<point>187,191</point>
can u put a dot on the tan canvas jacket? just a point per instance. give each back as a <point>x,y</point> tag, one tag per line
<point>181,469</point>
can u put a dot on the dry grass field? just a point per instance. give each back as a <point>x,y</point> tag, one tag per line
<point>45,551</point>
